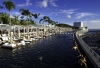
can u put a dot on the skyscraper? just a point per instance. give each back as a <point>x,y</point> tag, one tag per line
<point>78,24</point>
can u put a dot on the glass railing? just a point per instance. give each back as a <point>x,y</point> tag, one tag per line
<point>92,54</point>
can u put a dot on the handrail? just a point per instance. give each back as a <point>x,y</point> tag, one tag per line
<point>92,55</point>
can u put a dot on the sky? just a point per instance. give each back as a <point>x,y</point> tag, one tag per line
<point>62,11</point>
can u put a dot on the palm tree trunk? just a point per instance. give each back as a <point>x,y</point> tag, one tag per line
<point>19,32</point>
<point>10,28</point>
<point>27,31</point>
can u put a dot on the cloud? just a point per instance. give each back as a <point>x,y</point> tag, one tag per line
<point>53,13</point>
<point>70,11</point>
<point>11,16</point>
<point>84,14</point>
<point>15,13</point>
<point>93,21</point>
<point>53,3</point>
<point>68,16</point>
<point>92,24</point>
<point>45,3</point>
<point>42,15</point>
<point>28,3</point>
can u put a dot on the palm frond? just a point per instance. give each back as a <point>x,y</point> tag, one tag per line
<point>25,12</point>
<point>9,4</point>
<point>41,20</point>
<point>35,15</point>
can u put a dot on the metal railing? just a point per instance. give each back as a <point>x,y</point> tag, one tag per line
<point>92,55</point>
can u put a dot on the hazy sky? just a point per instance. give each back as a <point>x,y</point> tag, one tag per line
<point>63,11</point>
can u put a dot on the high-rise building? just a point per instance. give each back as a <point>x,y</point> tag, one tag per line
<point>78,24</point>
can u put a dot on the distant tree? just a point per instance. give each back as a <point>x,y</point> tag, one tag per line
<point>86,27</point>
<point>22,21</point>
<point>15,20</point>
<point>4,18</point>
<point>63,25</point>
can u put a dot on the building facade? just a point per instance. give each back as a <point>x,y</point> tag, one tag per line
<point>78,24</point>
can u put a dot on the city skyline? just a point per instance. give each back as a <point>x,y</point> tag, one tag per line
<point>62,11</point>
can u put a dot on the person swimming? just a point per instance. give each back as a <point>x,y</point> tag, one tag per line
<point>40,58</point>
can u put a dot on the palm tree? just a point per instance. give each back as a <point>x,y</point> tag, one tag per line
<point>36,15</point>
<point>26,13</point>
<point>31,21</point>
<point>51,22</point>
<point>45,19</point>
<point>9,6</point>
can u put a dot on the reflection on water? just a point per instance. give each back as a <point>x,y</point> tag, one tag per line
<point>56,52</point>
